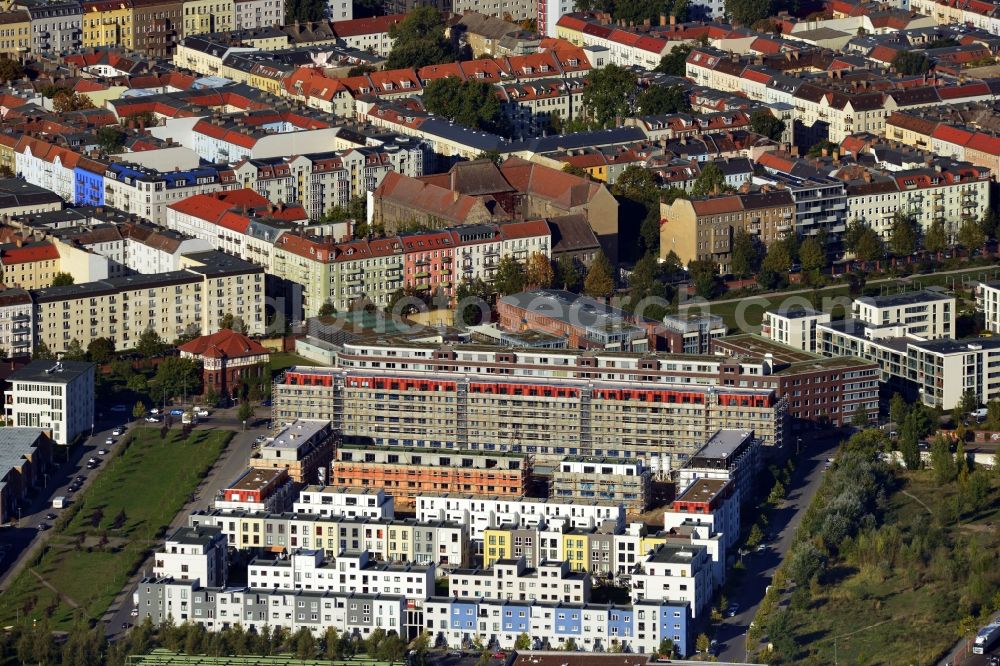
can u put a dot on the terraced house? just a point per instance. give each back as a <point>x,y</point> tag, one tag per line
<point>108,23</point>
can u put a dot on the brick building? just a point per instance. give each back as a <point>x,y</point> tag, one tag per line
<point>228,360</point>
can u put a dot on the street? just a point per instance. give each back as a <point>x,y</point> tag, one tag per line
<point>760,566</point>
<point>226,470</point>
<point>15,542</point>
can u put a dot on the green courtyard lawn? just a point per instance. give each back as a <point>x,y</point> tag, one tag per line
<point>284,360</point>
<point>112,525</point>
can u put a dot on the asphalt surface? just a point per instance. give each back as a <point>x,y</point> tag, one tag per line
<point>760,566</point>
<point>17,541</point>
<point>228,468</point>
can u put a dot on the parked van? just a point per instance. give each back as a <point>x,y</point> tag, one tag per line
<point>189,417</point>
<point>980,414</point>
<point>59,502</point>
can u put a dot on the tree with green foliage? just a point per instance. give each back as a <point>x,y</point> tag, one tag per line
<point>609,97</point>
<point>10,70</point>
<point>471,301</point>
<point>756,536</point>
<point>639,196</point>
<point>778,257</point>
<point>648,289</point>
<point>993,414</point>
<point>327,309</point>
<point>911,63</point>
<point>817,149</point>
<point>473,104</point>
<point>869,246</point>
<point>661,100</point>
<point>805,562</point>
<point>970,235</point>
<point>748,12</point>
<point>101,350</point>
<point>304,11</point>
<point>62,280</point>
<point>538,273</point>
<point>419,40</point>
<point>522,642</point>
<point>570,645</point>
<point>600,280</point>
<point>936,237</point>
<point>569,273</point>
<point>898,409</point>
<point>246,411</point>
<point>150,344</point>
<point>305,644</point>
<point>746,254</point>
<point>138,410</point>
<point>704,274</point>
<point>812,255</point>
<point>675,62</point>
<point>575,170</point>
<point>711,180</point>
<point>909,441</point>
<point>420,648</point>
<point>701,644</point>
<point>510,276</point>
<point>765,123</point>
<point>491,155</point>
<point>904,234</point>
<point>990,223</point>
<point>942,461</point>
<point>211,397</point>
<point>110,138</point>
<point>74,351</point>
<point>859,418</point>
<point>177,376</point>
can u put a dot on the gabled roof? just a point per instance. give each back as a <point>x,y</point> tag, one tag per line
<point>224,344</point>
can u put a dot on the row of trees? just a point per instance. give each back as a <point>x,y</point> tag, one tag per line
<point>905,236</point>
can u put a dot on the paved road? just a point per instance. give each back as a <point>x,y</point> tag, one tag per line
<point>961,653</point>
<point>226,470</point>
<point>18,543</point>
<point>760,566</point>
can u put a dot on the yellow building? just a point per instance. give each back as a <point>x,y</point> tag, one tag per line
<point>201,16</point>
<point>15,32</point>
<point>108,23</point>
<point>576,549</point>
<point>496,545</point>
<point>29,265</point>
<point>8,159</point>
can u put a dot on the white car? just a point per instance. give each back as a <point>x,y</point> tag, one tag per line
<point>109,441</point>
<point>202,412</point>
<point>152,419</point>
<point>116,432</point>
<point>103,452</point>
<point>135,612</point>
<point>154,410</point>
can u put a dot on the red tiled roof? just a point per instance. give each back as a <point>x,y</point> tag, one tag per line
<point>526,229</point>
<point>366,26</point>
<point>213,206</point>
<point>28,254</point>
<point>224,344</point>
<point>952,135</point>
<point>984,143</point>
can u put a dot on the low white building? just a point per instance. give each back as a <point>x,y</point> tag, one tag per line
<point>197,554</point>
<point>53,395</point>
<point>793,326</point>
<point>480,513</point>
<point>988,302</point>
<point>347,502</point>
<point>512,579</point>
<point>925,314</point>
<point>349,572</point>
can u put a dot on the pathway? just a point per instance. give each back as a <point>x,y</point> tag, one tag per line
<point>69,600</point>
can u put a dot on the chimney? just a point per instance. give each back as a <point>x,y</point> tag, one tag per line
<point>663,19</point>
<point>673,19</point>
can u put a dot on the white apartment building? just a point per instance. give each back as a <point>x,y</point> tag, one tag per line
<point>147,192</point>
<point>348,572</point>
<point>671,572</point>
<point>513,580</point>
<point>793,326</point>
<point>16,323</point>
<point>251,14</point>
<point>925,314</point>
<point>148,250</point>
<point>53,395</point>
<point>197,554</point>
<point>480,512</point>
<point>347,502</point>
<point>988,302</point>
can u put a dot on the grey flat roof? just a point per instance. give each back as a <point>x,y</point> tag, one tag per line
<point>15,445</point>
<point>957,346</point>
<point>574,309</point>
<point>906,298</point>
<point>723,443</point>
<point>796,311</point>
<point>303,431</point>
<point>202,535</point>
<point>49,372</point>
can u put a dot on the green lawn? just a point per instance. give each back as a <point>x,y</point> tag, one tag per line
<point>151,480</point>
<point>284,360</point>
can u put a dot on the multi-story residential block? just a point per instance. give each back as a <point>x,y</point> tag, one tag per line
<point>480,512</point>
<point>198,554</point>
<point>793,326</point>
<point>17,323</point>
<point>346,502</point>
<point>640,627</point>
<point>514,580</point>
<point>254,14</point>
<point>703,229</point>
<point>29,266</point>
<point>988,302</point>
<point>349,572</point>
<point>571,403</point>
<point>728,455</point>
<point>204,16</point>
<point>25,455</point>
<point>691,333</point>
<point>366,34</point>
<point>925,314</point>
<point>392,540</point>
<point>15,35</point>
<point>258,489</point>
<point>158,26</point>
<point>147,192</point>
<point>675,573</point>
<point>209,286</point>
<point>583,321</point>
<point>215,608</point>
<point>55,25</point>
<point>301,447</point>
<point>406,473</point>
<point>108,23</point>
<point>585,480</point>
<point>57,396</point>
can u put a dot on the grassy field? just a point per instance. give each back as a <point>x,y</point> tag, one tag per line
<point>89,558</point>
<point>284,360</point>
<point>893,611</point>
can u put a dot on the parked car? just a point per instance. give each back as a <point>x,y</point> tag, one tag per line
<point>134,612</point>
<point>117,432</point>
<point>154,410</point>
<point>109,441</point>
<point>732,610</point>
<point>50,516</point>
<point>93,460</point>
<point>103,452</point>
<point>119,408</point>
<point>202,412</point>
<point>152,419</point>
<point>43,526</point>
<point>80,479</point>
<point>176,412</point>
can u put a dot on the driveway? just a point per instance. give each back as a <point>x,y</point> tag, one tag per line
<point>760,566</point>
